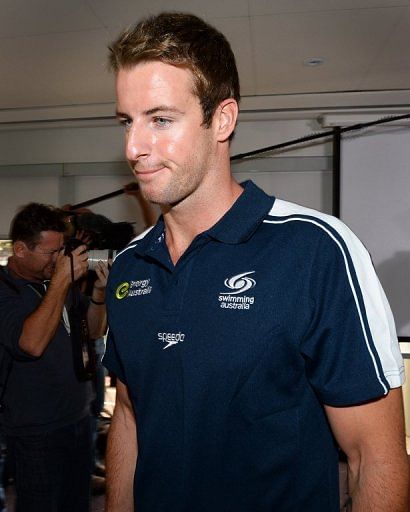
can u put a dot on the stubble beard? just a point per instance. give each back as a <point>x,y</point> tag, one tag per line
<point>182,182</point>
<point>47,273</point>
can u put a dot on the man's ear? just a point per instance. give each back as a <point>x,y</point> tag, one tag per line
<point>20,249</point>
<point>226,116</point>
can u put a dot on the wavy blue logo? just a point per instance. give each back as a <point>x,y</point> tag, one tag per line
<point>239,283</point>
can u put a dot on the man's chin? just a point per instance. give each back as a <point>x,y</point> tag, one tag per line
<point>150,194</point>
<point>47,274</point>
<point>164,197</point>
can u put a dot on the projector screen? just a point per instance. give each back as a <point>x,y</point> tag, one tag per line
<point>375,204</point>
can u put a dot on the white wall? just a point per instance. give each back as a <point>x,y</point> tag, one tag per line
<point>375,204</point>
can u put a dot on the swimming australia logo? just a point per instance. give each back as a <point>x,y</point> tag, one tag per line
<point>238,285</point>
<point>171,338</point>
<point>133,288</point>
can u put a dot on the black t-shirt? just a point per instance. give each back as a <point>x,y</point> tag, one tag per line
<point>42,393</point>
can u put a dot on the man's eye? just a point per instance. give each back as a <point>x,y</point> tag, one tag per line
<point>162,122</point>
<point>125,121</point>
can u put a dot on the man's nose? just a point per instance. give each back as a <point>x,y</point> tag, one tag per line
<point>137,143</point>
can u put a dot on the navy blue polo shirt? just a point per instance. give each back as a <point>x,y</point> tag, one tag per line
<point>230,355</point>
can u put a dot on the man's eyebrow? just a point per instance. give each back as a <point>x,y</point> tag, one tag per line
<point>154,110</point>
<point>163,108</point>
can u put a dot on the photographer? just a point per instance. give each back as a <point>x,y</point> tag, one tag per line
<point>46,391</point>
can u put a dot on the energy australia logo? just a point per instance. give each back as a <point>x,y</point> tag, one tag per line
<point>238,285</point>
<point>133,288</point>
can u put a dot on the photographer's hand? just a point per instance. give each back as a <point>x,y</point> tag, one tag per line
<point>83,236</point>
<point>65,270</point>
<point>79,261</point>
<point>102,271</point>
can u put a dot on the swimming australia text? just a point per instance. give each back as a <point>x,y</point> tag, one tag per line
<point>232,302</point>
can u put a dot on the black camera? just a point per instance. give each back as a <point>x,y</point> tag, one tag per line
<point>104,237</point>
<point>71,244</point>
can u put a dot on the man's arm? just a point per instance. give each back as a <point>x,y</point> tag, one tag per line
<point>121,454</point>
<point>40,326</point>
<point>96,313</point>
<point>372,436</point>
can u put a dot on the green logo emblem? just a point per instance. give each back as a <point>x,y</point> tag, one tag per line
<point>122,290</point>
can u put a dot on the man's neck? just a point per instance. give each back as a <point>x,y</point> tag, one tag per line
<point>196,215</point>
<point>17,272</point>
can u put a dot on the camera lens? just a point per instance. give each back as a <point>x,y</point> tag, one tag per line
<point>96,255</point>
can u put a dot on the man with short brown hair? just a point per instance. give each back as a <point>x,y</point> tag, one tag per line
<point>248,334</point>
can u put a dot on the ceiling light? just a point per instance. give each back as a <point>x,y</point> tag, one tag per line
<point>314,61</point>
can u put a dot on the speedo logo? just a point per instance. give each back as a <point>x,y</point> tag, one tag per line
<point>171,338</point>
<point>238,285</point>
<point>133,288</point>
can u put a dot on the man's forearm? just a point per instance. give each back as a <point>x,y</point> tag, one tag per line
<point>97,315</point>
<point>380,486</point>
<point>96,320</point>
<point>121,462</point>
<point>41,325</point>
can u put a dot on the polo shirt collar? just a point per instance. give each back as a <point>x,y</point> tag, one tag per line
<point>153,240</point>
<point>244,217</point>
<point>10,276</point>
<point>236,226</point>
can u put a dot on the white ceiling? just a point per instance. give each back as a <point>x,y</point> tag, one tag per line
<point>53,52</point>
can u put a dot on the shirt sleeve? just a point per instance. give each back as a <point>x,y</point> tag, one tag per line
<point>351,348</point>
<point>111,359</point>
<point>12,316</point>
